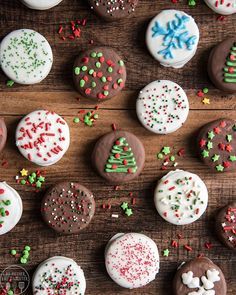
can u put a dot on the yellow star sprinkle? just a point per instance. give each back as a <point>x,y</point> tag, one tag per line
<point>206,100</point>
<point>24,172</point>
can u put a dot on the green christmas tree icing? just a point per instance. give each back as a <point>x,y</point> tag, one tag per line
<point>121,159</point>
<point>230,69</point>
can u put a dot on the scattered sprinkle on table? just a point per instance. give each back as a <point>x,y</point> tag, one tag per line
<point>166,252</point>
<point>34,179</point>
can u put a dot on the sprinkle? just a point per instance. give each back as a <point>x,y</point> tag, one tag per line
<point>166,150</point>
<point>192,3</point>
<point>10,83</point>
<point>24,172</point>
<point>208,245</point>
<point>76,120</point>
<point>113,126</point>
<point>160,156</point>
<point>166,252</point>
<point>206,101</point>
<point>129,212</point>
<point>174,244</point>
<point>115,216</point>
<point>13,252</point>
<point>124,206</point>
<point>188,248</point>
<point>205,90</point>
<point>181,152</point>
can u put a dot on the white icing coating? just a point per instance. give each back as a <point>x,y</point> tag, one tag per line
<point>162,107</point>
<point>205,286</point>
<point>132,260</point>
<point>10,208</point>
<point>25,56</point>
<point>225,7</point>
<point>177,32</point>
<point>181,197</point>
<point>59,275</point>
<point>43,137</point>
<point>41,4</point>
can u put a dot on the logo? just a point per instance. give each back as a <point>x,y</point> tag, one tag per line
<point>14,280</point>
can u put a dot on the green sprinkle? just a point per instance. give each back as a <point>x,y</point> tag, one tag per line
<point>232,158</point>
<point>166,252</point>
<point>119,81</point>
<point>172,158</point>
<point>98,64</point>
<point>160,156</point>
<point>215,158</point>
<point>121,63</point>
<point>41,178</point>
<point>76,120</point>
<point>10,83</point>
<point>10,292</point>
<point>103,79</point>
<point>33,175</point>
<point>93,54</point>
<point>124,205</point>
<point>84,68</point>
<point>23,181</point>
<point>91,72</point>
<point>128,212</point>
<point>110,69</point>
<point>99,54</point>
<point>209,145</point>
<point>23,260</point>
<point>38,184</point>
<point>166,150</point>
<point>95,116</point>
<point>229,137</point>
<point>220,168</point>
<point>81,83</point>
<point>77,70</point>
<point>27,248</point>
<point>106,92</point>
<point>94,84</point>
<point>13,252</point>
<point>205,154</point>
<point>211,135</point>
<point>205,90</point>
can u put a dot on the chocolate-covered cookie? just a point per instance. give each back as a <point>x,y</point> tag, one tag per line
<point>217,145</point>
<point>99,73</point>
<point>68,207</point>
<point>3,134</point>
<point>199,276</point>
<point>226,225</point>
<point>222,65</point>
<point>112,10</point>
<point>118,156</point>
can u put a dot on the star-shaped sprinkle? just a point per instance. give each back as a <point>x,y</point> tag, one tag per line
<point>24,172</point>
<point>222,124</point>
<point>221,146</point>
<point>38,184</point>
<point>210,134</point>
<point>217,130</point>
<point>229,137</point>
<point>231,238</point>
<point>232,158</point>
<point>206,100</point>
<point>205,154</point>
<point>226,164</point>
<point>129,212</point>
<point>223,224</point>
<point>202,142</point>
<point>215,157</point>
<point>41,178</point>
<point>166,150</point>
<point>228,148</point>
<point>220,168</point>
<point>124,206</point>
<point>209,145</point>
<point>166,252</point>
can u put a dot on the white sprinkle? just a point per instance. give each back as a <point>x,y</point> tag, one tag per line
<point>115,215</point>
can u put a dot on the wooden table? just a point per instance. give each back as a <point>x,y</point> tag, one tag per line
<point>57,93</point>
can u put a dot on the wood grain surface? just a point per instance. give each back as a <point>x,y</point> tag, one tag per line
<point>56,92</point>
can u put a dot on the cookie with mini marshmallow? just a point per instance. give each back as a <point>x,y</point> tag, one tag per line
<point>132,260</point>
<point>224,7</point>
<point>172,38</point>
<point>43,137</point>
<point>181,197</point>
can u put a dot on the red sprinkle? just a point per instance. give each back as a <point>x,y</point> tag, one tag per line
<point>188,248</point>
<point>113,126</point>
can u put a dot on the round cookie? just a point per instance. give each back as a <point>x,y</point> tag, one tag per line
<point>217,145</point>
<point>224,7</point>
<point>25,56</point>
<point>68,207</point>
<point>58,275</point>
<point>118,157</point>
<point>132,260</point>
<point>43,137</point>
<point>99,73</point>
<point>222,65</point>
<point>172,38</point>
<point>226,225</point>
<point>199,276</point>
<point>113,10</point>
<point>3,134</point>
<point>41,4</point>
<point>11,208</point>
<point>162,107</point>
<point>181,197</point>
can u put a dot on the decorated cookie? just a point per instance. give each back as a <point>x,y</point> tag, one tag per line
<point>25,56</point>
<point>68,207</point>
<point>118,156</point>
<point>181,197</point>
<point>3,134</point>
<point>43,137</point>
<point>172,38</point>
<point>10,208</point>
<point>59,275</point>
<point>99,73</point>
<point>226,225</point>
<point>199,276</point>
<point>41,4</point>
<point>132,260</point>
<point>162,107</point>
<point>217,145</point>
<point>113,10</point>
<point>224,7</point>
<point>222,65</point>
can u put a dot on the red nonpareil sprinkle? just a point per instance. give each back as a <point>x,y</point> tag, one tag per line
<point>208,245</point>
<point>188,248</point>
<point>113,126</point>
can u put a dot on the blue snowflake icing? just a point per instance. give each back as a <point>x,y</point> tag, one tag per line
<point>175,35</point>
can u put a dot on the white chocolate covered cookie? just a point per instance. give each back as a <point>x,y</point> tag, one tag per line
<point>41,4</point>
<point>224,7</point>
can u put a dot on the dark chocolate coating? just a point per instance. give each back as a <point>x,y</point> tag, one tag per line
<point>226,226</point>
<point>68,207</point>
<point>102,77</point>
<point>112,10</point>
<point>198,266</point>
<point>217,62</point>
<point>3,134</point>
<point>225,149</point>
<point>102,151</point>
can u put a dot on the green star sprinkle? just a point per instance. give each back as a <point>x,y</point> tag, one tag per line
<point>211,134</point>
<point>229,137</point>
<point>166,150</point>
<point>38,184</point>
<point>209,145</point>
<point>124,206</point>
<point>31,179</point>
<point>232,158</point>
<point>205,154</point>
<point>41,178</point>
<point>215,157</point>
<point>129,212</point>
<point>166,252</point>
<point>220,168</point>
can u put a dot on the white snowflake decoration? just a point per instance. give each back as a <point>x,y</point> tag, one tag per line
<point>205,286</point>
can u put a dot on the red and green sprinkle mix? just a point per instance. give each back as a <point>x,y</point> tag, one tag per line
<point>34,179</point>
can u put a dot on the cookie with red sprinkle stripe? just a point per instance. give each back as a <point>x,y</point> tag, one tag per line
<point>99,73</point>
<point>224,7</point>
<point>217,145</point>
